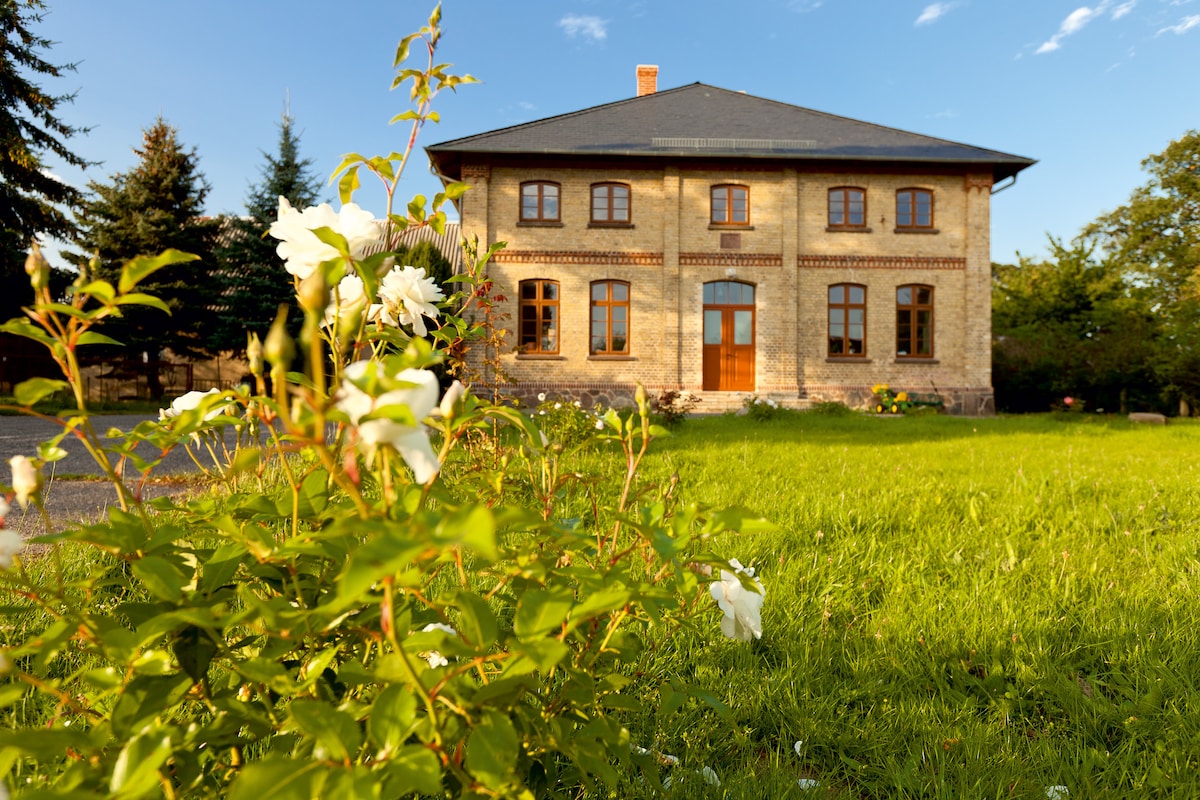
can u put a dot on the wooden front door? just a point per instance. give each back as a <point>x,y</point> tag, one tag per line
<point>728,336</point>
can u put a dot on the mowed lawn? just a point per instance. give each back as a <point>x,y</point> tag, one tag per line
<point>955,608</point>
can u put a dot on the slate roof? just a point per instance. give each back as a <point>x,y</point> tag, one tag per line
<point>702,121</point>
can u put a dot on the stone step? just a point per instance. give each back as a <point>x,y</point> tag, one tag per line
<point>722,402</point>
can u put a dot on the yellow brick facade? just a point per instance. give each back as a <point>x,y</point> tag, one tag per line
<point>670,250</point>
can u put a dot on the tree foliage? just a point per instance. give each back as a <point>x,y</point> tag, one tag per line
<point>153,207</point>
<point>252,280</point>
<point>32,202</point>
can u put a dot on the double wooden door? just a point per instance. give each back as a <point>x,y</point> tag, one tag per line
<point>729,336</point>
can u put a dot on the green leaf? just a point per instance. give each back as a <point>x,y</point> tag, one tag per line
<point>92,337</point>
<point>30,391</point>
<point>22,326</point>
<point>402,50</point>
<point>336,730</point>
<point>279,779</point>
<point>348,184</point>
<point>393,717</point>
<point>137,270</point>
<point>146,697</point>
<point>101,290</point>
<point>492,750</point>
<point>541,611</point>
<point>415,768</point>
<point>477,623</point>
<point>136,770</point>
<point>194,649</point>
<point>143,299</point>
<point>162,577</point>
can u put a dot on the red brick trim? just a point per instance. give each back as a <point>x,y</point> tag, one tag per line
<point>476,172</point>
<point>730,260</point>
<point>879,262</point>
<point>567,257</point>
<point>980,182</point>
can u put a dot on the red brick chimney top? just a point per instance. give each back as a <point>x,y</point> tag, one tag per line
<point>647,79</point>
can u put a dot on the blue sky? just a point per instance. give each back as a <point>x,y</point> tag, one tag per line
<point>1088,90</point>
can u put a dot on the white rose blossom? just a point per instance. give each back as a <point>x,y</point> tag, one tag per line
<point>300,248</point>
<point>408,296</point>
<point>25,479</point>
<point>190,402</point>
<point>433,657</point>
<point>349,300</point>
<point>411,442</point>
<point>452,396</point>
<point>3,510</point>
<point>11,543</point>
<point>742,608</point>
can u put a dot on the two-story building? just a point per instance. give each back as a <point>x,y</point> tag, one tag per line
<point>709,240</point>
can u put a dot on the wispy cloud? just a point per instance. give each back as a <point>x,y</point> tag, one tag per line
<point>1183,26</point>
<point>933,12</point>
<point>947,114</point>
<point>1080,17</point>
<point>804,6</point>
<point>588,27</point>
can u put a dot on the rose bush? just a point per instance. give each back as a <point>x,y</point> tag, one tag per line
<point>386,594</point>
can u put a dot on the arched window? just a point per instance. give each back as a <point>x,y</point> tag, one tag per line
<point>847,207</point>
<point>539,202</point>
<point>610,203</point>
<point>610,318</point>
<point>537,317</point>
<point>914,321</point>
<point>914,209</point>
<point>847,320</point>
<point>730,205</point>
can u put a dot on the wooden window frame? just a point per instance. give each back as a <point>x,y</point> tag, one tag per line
<point>609,304</point>
<point>845,191</point>
<point>912,309</point>
<point>846,306</point>
<point>913,225</point>
<point>610,188</point>
<point>728,189</point>
<point>541,202</point>
<point>535,307</point>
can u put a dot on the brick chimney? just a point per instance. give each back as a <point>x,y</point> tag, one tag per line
<point>647,79</point>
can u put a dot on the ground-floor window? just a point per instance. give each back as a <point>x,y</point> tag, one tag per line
<point>538,316</point>
<point>610,318</point>
<point>914,321</point>
<point>847,320</point>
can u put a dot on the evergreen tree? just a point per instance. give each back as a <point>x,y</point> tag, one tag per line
<point>252,279</point>
<point>31,201</point>
<point>155,206</point>
<point>437,266</point>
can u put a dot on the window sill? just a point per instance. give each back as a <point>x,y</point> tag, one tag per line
<point>618,225</point>
<point>529,223</point>
<point>729,226</point>
<point>540,357</point>
<point>847,360</point>
<point>917,230</point>
<point>614,357</point>
<point>846,229</point>
<point>915,360</point>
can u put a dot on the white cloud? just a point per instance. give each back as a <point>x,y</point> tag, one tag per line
<point>588,27</point>
<point>804,6</point>
<point>1123,9</point>
<point>525,105</point>
<point>933,11</point>
<point>1183,26</point>
<point>947,114</point>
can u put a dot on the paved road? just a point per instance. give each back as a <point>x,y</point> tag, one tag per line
<point>21,435</point>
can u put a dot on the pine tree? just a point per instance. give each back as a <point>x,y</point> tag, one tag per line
<point>252,278</point>
<point>155,206</point>
<point>31,201</point>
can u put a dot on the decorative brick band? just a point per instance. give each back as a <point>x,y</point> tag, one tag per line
<point>879,262</point>
<point>980,182</point>
<point>476,172</point>
<point>566,257</point>
<point>730,260</point>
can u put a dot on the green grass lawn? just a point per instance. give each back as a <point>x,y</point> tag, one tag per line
<point>955,608</point>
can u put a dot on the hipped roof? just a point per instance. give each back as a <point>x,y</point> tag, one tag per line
<point>702,121</point>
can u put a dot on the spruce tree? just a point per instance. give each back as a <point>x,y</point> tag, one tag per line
<point>154,206</point>
<point>32,202</point>
<point>252,278</point>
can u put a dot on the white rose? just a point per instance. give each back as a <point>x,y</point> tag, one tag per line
<point>349,300</point>
<point>190,402</point>
<point>452,396</point>
<point>411,442</point>
<point>11,543</point>
<point>742,608</point>
<point>300,248</point>
<point>25,479</point>
<point>408,296</point>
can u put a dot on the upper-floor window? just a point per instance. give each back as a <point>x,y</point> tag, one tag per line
<point>914,321</point>
<point>537,316</point>
<point>914,208</point>
<point>610,318</point>
<point>847,320</point>
<point>539,201</point>
<point>610,203</point>
<point>847,207</point>
<point>730,205</point>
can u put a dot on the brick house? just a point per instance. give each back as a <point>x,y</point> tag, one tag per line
<point>709,240</point>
